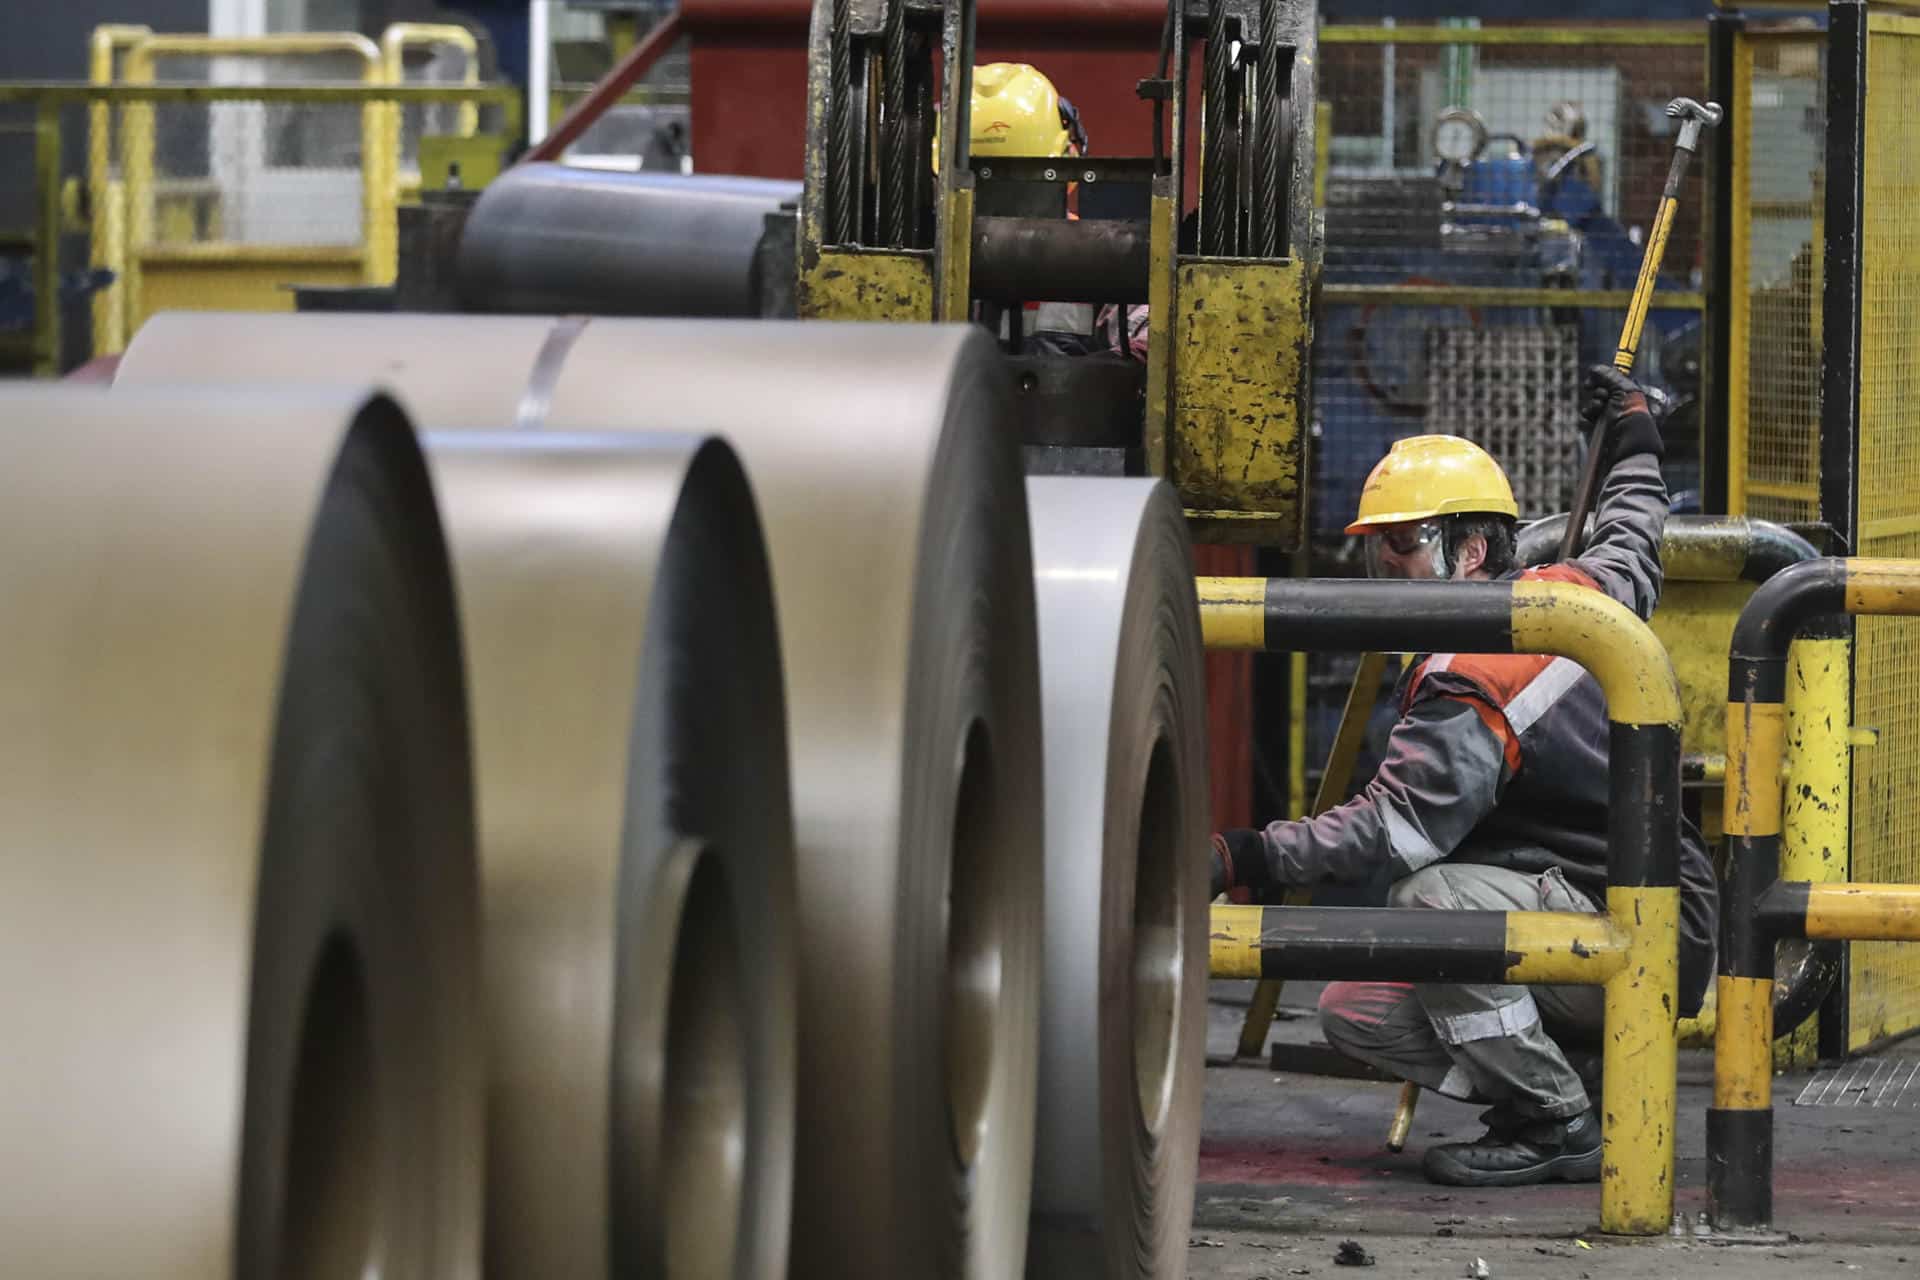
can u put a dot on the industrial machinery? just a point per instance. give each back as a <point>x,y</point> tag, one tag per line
<point>900,222</point>
<point>1494,212</point>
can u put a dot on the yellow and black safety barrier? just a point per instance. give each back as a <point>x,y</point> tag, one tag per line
<point>1693,548</point>
<point>1717,549</point>
<point>1633,950</point>
<point>1395,943</point>
<point>1758,910</point>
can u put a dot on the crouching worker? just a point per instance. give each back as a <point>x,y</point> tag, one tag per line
<point>1492,795</point>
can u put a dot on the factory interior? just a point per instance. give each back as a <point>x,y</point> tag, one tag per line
<point>959,639</point>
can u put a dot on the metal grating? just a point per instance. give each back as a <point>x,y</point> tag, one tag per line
<point>1775,396</point>
<point>1886,839</point>
<point>1513,391</point>
<point>1871,1082</point>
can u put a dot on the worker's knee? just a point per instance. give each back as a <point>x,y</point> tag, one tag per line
<point>1356,1016</point>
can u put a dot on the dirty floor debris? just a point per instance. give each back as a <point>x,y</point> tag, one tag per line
<point>1293,1165</point>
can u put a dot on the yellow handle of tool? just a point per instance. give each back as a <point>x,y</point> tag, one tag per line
<point>1636,322</point>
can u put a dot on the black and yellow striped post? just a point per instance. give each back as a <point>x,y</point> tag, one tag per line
<point>1634,949</point>
<point>1757,909</point>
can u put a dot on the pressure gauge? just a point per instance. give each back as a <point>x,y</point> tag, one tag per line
<point>1458,135</point>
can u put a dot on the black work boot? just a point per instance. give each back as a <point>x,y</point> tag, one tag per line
<point>1514,1153</point>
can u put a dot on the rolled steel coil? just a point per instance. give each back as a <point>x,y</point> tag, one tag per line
<point>890,490</point>
<point>1123,1036</point>
<point>237,891</point>
<point>636,852</point>
<point>548,238</point>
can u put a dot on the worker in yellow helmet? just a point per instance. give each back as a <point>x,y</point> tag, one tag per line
<point>1491,795</point>
<point>1017,111</point>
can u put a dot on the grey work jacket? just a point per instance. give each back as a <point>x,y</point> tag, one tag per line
<point>1502,759</point>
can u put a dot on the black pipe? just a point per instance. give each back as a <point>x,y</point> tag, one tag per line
<point>1750,550</point>
<point>1724,30</point>
<point>1777,612</point>
<point>1093,260</point>
<point>1309,615</point>
<point>545,238</point>
<point>1385,944</point>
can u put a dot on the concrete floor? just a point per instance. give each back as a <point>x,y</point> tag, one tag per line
<point>1291,1165</point>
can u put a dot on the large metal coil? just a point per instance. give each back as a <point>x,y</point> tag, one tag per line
<point>636,851</point>
<point>1124,1026</point>
<point>237,891</point>
<point>549,238</point>
<point>890,490</point>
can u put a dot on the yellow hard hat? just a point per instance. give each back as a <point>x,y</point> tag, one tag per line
<point>1426,476</point>
<point>1016,112</point>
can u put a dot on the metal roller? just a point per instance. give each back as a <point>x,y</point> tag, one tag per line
<point>636,853</point>
<point>237,891</point>
<point>890,490</point>
<point>1124,1027</point>
<point>549,238</point>
<point>1095,260</point>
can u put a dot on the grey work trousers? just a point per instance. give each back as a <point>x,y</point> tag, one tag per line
<point>1488,1043</point>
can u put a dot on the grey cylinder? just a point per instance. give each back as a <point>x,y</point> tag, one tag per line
<point>1124,1029</point>
<point>237,894</point>
<point>547,238</point>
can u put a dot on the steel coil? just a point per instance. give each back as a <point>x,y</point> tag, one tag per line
<point>636,852</point>
<point>477,383</point>
<point>1124,1026</point>
<point>889,486</point>
<point>896,522</point>
<point>549,238</point>
<point>237,892</point>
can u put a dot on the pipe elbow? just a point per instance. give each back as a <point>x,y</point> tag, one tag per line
<point>1605,637</point>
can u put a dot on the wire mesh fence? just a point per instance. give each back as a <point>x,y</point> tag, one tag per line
<point>1886,842</point>
<point>280,173</point>
<point>1498,167</point>
<point>1488,192</point>
<point>1774,370</point>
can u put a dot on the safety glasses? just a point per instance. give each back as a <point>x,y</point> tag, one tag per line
<point>1405,551</point>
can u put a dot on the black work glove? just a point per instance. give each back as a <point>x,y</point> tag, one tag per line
<point>1617,399</point>
<point>1239,863</point>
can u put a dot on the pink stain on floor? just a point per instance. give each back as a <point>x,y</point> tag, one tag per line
<point>1328,1165</point>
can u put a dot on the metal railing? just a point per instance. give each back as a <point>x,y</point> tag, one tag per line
<point>122,206</point>
<point>1760,910</point>
<point>1633,951</point>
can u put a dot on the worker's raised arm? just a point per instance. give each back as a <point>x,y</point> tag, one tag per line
<point>1623,552</point>
<point>1445,765</point>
